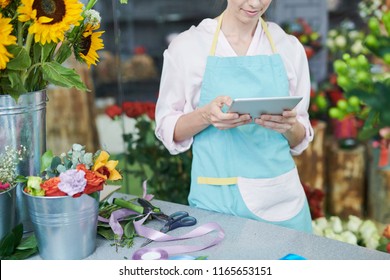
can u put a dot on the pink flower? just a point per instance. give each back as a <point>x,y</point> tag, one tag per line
<point>72,182</point>
<point>4,186</point>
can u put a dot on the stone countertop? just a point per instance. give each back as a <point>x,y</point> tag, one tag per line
<point>244,240</point>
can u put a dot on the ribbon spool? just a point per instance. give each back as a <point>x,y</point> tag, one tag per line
<point>150,254</point>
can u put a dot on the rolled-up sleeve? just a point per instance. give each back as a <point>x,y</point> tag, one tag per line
<point>170,105</point>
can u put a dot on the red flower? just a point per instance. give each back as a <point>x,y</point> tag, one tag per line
<point>133,109</point>
<point>113,111</point>
<point>51,187</point>
<point>94,182</point>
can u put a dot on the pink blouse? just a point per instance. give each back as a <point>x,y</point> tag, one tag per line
<point>184,65</point>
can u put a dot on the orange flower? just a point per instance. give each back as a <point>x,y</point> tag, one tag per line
<point>94,181</point>
<point>51,187</point>
<point>386,232</point>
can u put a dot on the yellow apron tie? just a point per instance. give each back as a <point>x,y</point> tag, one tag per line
<point>216,35</point>
<point>217,181</point>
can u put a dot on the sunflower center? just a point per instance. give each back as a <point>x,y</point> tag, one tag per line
<point>54,9</point>
<point>85,45</point>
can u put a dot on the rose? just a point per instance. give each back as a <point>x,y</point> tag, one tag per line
<point>113,111</point>
<point>94,182</point>
<point>50,187</point>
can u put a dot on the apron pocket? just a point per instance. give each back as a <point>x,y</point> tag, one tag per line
<point>273,199</point>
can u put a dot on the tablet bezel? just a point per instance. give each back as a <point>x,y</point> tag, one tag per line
<point>264,105</point>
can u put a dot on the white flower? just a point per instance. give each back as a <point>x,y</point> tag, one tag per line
<point>340,41</point>
<point>349,237</point>
<point>368,229</point>
<point>92,17</point>
<point>336,224</point>
<point>321,223</point>
<point>317,230</point>
<point>353,34</point>
<point>357,47</point>
<point>354,223</point>
<point>332,33</point>
<point>373,241</point>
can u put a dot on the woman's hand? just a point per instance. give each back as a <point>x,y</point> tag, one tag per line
<point>213,115</point>
<point>280,123</point>
<point>287,124</point>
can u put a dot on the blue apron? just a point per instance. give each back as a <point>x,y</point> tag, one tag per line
<point>247,171</point>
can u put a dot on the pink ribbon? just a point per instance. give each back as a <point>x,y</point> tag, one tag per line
<point>178,249</point>
<point>119,214</point>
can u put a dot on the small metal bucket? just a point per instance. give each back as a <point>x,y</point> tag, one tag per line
<point>7,211</point>
<point>65,227</point>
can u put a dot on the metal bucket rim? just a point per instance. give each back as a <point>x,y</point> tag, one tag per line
<point>8,190</point>
<point>17,104</point>
<point>52,197</point>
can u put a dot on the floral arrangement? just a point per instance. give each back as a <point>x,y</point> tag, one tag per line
<point>354,231</point>
<point>73,173</point>
<point>310,39</point>
<point>372,8</point>
<point>168,176</point>
<point>38,36</point>
<point>369,88</point>
<point>345,38</point>
<point>8,162</point>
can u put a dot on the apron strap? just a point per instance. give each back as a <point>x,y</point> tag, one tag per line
<point>216,35</point>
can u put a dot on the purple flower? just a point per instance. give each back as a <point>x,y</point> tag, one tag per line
<point>72,181</point>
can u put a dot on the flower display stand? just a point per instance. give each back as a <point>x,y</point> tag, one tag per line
<point>346,181</point>
<point>311,163</point>
<point>378,192</point>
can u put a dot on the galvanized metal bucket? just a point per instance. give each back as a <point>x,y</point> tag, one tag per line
<point>23,122</point>
<point>7,211</point>
<point>65,227</point>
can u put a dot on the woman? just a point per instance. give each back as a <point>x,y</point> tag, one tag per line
<point>240,166</point>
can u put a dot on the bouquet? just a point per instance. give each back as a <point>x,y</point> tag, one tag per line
<point>38,36</point>
<point>73,173</point>
<point>8,163</point>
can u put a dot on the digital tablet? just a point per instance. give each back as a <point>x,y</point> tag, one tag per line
<point>264,105</point>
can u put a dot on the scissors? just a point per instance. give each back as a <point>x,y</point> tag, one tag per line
<point>175,220</point>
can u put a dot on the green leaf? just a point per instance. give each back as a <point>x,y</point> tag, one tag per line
<point>21,59</point>
<point>7,245</point>
<point>129,230</point>
<point>28,243</point>
<point>107,233</point>
<point>22,254</point>
<point>55,162</point>
<point>59,75</point>
<point>18,232</point>
<point>46,159</point>
<point>47,51</point>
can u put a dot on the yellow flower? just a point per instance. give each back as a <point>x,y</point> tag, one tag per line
<point>106,168</point>
<point>90,44</point>
<point>4,3</point>
<point>51,19</point>
<point>6,39</point>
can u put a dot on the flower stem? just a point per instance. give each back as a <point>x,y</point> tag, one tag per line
<point>29,42</point>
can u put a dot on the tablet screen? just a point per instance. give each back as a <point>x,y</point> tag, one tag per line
<point>264,105</point>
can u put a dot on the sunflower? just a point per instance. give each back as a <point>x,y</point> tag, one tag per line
<point>89,45</point>
<point>50,18</point>
<point>4,3</point>
<point>6,39</point>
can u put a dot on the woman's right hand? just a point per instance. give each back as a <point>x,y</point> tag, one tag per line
<point>212,113</point>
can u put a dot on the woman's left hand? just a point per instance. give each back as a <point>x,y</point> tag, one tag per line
<point>280,123</point>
